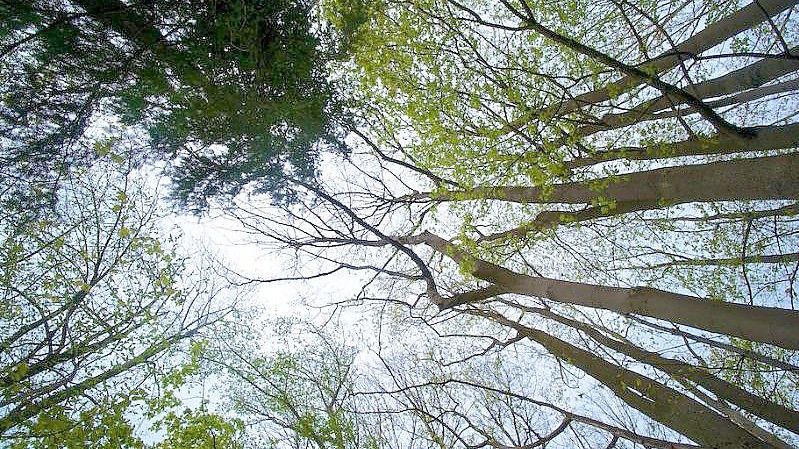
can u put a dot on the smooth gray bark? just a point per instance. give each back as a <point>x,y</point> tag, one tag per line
<point>764,178</point>
<point>764,324</point>
<point>765,138</point>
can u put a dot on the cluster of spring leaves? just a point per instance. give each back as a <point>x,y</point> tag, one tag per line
<point>469,101</point>
<point>104,251</point>
<point>297,396</point>
<point>419,61</point>
<point>235,93</point>
<point>463,95</point>
<point>190,428</point>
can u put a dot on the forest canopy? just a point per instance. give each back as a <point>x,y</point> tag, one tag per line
<point>232,92</point>
<point>472,224</point>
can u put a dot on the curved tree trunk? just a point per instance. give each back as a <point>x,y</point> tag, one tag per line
<point>764,324</point>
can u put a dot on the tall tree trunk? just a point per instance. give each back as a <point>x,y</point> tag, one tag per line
<point>613,430</point>
<point>764,324</point>
<point>551,218</point>
<point>764,178</point>
<point>25,411</point>
<point>731,261</point>
<point>765,138</point>
<point>639,75</point>
<point>743,353</point>
<point>775,413</point>
<point>749,77</point>
<point>661,403</point>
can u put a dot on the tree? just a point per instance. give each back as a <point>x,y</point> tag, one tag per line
<point>300,396</point>
<point>311,396</point>
<point>605,142</point>
<point>232,92</point>
<point>598,194</point>
<point>96,310</point>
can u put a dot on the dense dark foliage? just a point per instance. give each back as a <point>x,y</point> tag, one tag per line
<point>234,93</point>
